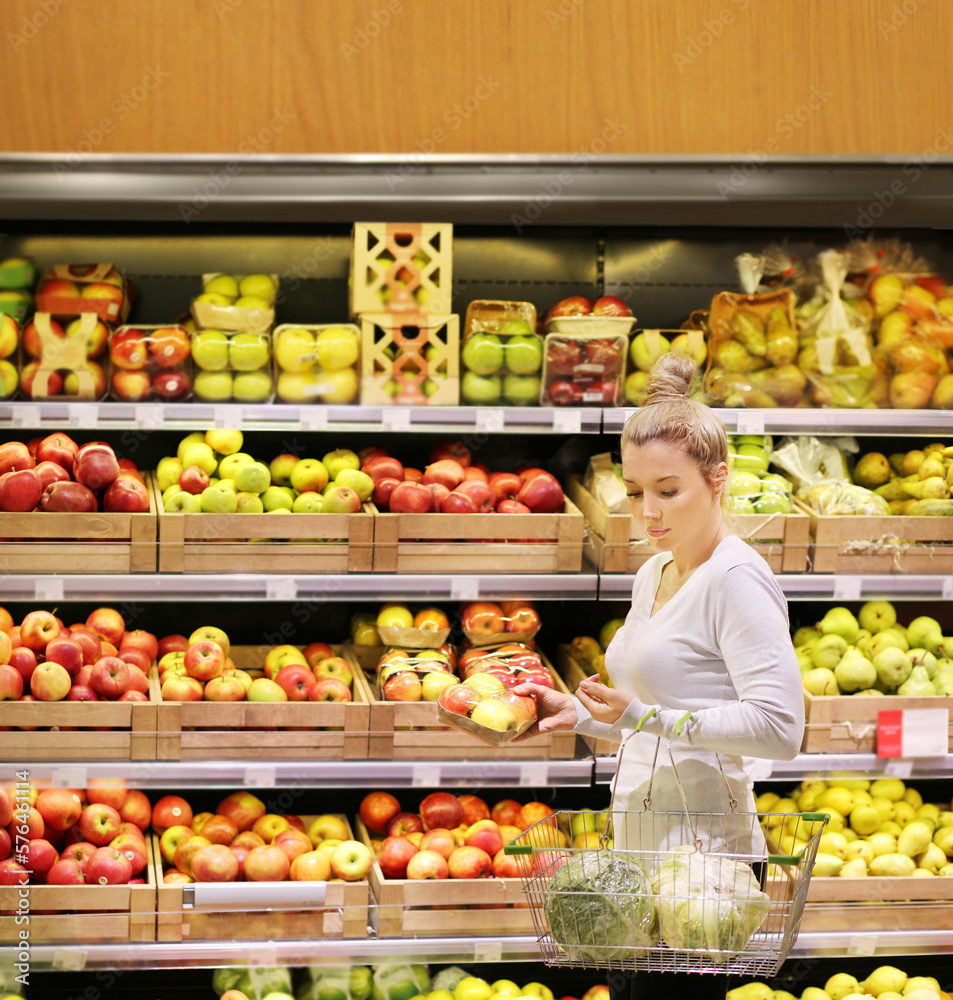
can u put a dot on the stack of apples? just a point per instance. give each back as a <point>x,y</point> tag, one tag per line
<point>150,362</point>
<point>415,674</point>
<point>17,275</point>
<point>449,836</point>
<point>502,361</point>
<point>73,836</point>
<point>64,382</point>
<point>317,363</point>
<point>97,288</point>
<point>55,473</point>
<point>242,841</point>
<point>92,660</point>
<point>453,484</point>
<point>211,474</point>
<point>486,622</point>
<point>200,668</point>
<point>9,350</point>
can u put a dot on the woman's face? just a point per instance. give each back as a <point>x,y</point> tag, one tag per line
<point>668,496</point>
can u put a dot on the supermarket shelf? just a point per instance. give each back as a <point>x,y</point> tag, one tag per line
<point>823,587</point>
<point>313,773</point>
<point>322,588</point>
<point>198,416</point>
<point>864,944</point>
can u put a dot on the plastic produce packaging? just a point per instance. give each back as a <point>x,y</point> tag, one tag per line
<point>708,902</point>
<point>603,479</point>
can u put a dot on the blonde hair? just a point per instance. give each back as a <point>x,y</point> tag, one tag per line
<point>668,414</point>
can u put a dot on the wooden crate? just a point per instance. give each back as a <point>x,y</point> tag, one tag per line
<point>403,730</point>
<point>840,890</point>
<point>848,724</point>
<point>62,543</point>
<point>573,674</point>
<point>888,544</point>
<point>442,907</point>
<point>614,545</point>
<point>871,916</point>
<point>89,914</point>
<point>459,543</point>
<point>221,543</point>
<point>80,730</point>
<point>242,730</point>
<point>344,915</point>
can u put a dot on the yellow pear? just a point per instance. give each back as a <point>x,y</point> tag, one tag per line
<point>882,843</point>
<point>884,806</point>
<point>827,865</point>
<point>841,799</point>
<point>903,812</point>
<point>921,983</point>
<point>841,985</point>
<point>890,826</point>
<point>886,979</point>
<point>766,801</point>
<point>889,788</point>
<point>833,843</point>
<point>859,850</point>
<point>932,859</point>
<point>854,869</point>
<point>892,865</point>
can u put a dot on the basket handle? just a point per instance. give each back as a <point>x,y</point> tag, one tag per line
<point>513,848</point>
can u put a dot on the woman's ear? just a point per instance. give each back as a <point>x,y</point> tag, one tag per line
<point>720,479</point>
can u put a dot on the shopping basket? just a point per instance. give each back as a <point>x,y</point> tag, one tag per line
<point>667,891</point>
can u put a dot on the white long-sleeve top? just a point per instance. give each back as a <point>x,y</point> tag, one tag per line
<point>721,649</point>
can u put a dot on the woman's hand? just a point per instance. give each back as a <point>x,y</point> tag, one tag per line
<point>555,712</point>
<point>605,704</point>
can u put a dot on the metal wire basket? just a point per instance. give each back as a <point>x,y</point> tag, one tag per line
<point>667,891</point>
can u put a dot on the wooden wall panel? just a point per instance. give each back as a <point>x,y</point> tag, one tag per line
<point>447,76</point>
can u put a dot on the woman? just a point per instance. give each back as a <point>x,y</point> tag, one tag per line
<point>707,633</point>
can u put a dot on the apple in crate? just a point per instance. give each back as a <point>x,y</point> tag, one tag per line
<point>396,852</point>
<point>506,712</point>
<point>351,860</point>
<point>377,809</point>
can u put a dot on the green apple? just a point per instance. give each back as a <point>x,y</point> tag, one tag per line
<point>196,437</point>
<point>360,482</point>
<point>482,389</point>
<point>751,457</point>
<point>741,505</point>
<point>483,353</point>
<point>249,503</point>
<point>744,484</point>
<point>170,491</point>
<point>200,454</point>
<point>260,285</point>
<point>341,458</point>
<point>294,349</point>
<point>167,472</point>
<point>773,483</point>
<point>309,475</point>
<point>636,386</point>
<point>182,503</point>
<point>430,387</point>
<point>643,357</point>
<point>223,284</point>
<point>308,502</point>
<point>337,347</point>
<point>262,689</point>
<point>252,477</point>
<point>255,303</point>
<point>218,500</point>
<point>210,350</point>
<point>276,497</point>
<point>225,484</point>
<point>524,354</point>
<point>253,387</point>
<point>585,821</point>
<point>281,467</point>
<point>230,463</point>
<point>248,352</point>
<point>522,390</point>
<point>772,503</point>
<point>213,387</point>
<point>214,299</point>
<point>328,486</point>
<point>518,327</point>
<point>341,500</point>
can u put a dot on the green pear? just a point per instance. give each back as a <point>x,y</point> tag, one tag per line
<point>877,615</point>
<point>820,682</point>
<point>914,838</point>
<point>886,639</point>
<point>805,634</point>
<point>839,621</point>
<point>943,683</point>
<point>892,666</point>
<point>828,650</point>
<point>917,685</point>
<point>921,631</point>
<point>854,672</point>
<point>804,660</point>
<point>924,658</point>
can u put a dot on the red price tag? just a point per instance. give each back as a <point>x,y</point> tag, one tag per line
<point>890,733</point>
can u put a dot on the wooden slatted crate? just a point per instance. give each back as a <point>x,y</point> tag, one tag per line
<point>615,545</point>
<point>441,907</point>
<point>240,730</point>
<point>80,730</point>
<point>344,914</point>
<point>410,730</point>
<point>573,674</point>
<point>471,543</point>
<point>889,544</point>
<point>84,914</point>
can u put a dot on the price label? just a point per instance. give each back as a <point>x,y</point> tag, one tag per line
<point>25,416</point>
<point>395,418</point>
<point>68,777</point>
<point>749,422</point>
<point>425,775</point>
<point>897,768</point>
<point>862,944</point>
<point>259,777</point>
<point>534,775</point>
<point>48,588</point>
<point>313,418</point>
<point>490,419</point>
<point>69,959</point>
<point>487,951</point>
<point>464,588</point>
<point>262,955</point>
<point>847,588</point>
<point>567,421</point>
<point>228,418</point>
<point>947,588</point>
<point>913,732</point>
<point>281,588</point>
<point>83,415</point>
<point>150,417</point>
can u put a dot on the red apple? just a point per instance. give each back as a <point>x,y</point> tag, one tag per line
<point>542,494</point>
<point>193,479</point>
<point>60,808</point>
<point>225,688</point>
<point>505,485</point>
<point>65,497</point>
<point>126,495</point>
<point>99,823</point>
<point>169,811</point>
<point>469,862</point>
<point>67,652</point>
<point>133,849</point>
<point>565,392</point>
<point>474,809</point>
<point>214,863</point>
<point>136,809</point>
<point>479,492</point>
<point>171,644</point>
<point>172,385</point>
<point>20,491</point>
<point>135,657</point>
<point>459,699</point>
<point>79,852</point>
<point>411,498</point>
<point>96,465</point>
<point>131,386</point>
<point>312,866</point>
<point>486,835</point>
<point>447,472</point>
<point>296,681</point>
<point>108,867</point>
<point>314,652</point>
<point>329,689</point>
<point>506,865</point>
<point>267,863</point>
<point>458,502</point>
<point>132,695</point>
<point>50,472</point>
<point>383,467</point>
<point>293,842</point>
<point>377,809</point>
<point>108,624</point>
<point>110,677</point>
<point>481,619</point>
<point>404,823</point>
<point>49,682</point>
<point>14,456</point>
<point>12,677</point>
<point>574,305</point>
<point>455,450</point>
<point>175,688</point>
<point>404,685</point>
<point>66,871</point>
<point>243,808</point>
<point>609,305</point>
<point>439,840</point>
<point>143,640</point>
<point>441,809</point>
<point>204,660</point>
<point>383,489</point>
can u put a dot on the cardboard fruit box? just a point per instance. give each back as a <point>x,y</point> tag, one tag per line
<point>411,730</point>
<point>440,907</point>
<point>245,913</point>
<point>63,371</point>
<point>614,544</point>
<point>231,318</point>
<point>67,290</point>
<point>241,730</point>
<point>84,914</point>
<point>264,543</point>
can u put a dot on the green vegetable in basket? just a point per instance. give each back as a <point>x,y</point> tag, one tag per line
<point>224,980</point>
<point>708,902</point>
<point>600,907</point>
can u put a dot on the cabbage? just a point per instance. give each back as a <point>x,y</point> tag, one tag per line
<point>708,902</point>
<point>600,907</point>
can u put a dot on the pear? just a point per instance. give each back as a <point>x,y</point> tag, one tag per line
<point>921,983</point>
<point>854,672</point>
<point>820,682</point>
<point>827,865</point>
<point>943,683</point>
<point>912,797</point>
<point>828,650</point>
<point>864,819</point>
<point>932,466</point>
<point>914,838</point>
<point>923,658</point>
<point>813,993</point>
<point>934,488</point>
<point>892,666</point>
<point>751,991</point>
<point>921,631</point>
<point>804,635</point>
<point>904,813</point>
<point>841,985</point>
<point>900,633</point>
<point>929,813</point>
<point>912,461</point>
<point>747,328</point>
<point>884,806</point>
<point>766,801</point>
<point>943,838</point>
<point>854,869</point>
<point>889,788</point>
<point>892,865</point>
<point>882,843</point>
<point>917,685</point>
<point>858,850</point>
<point>875,616</point>
<point>932,859</point>
<point>839,621</point>
<point>872,470</point>
<point>890,826</point>
<point>846,779</point>
<point>834,844</point>
<point>841,799</point>
<point>804,660</point>
<point>885,979</point>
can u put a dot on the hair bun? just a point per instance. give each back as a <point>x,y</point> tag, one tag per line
<point>671,379</point>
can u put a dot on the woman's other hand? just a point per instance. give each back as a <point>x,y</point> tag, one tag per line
<point>604,704</point>
<point>555,711</point>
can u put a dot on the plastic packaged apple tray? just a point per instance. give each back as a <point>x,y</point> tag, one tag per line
<point>67,359</point>
<point>150,363</point>
<point>9,356</point>
<point>216,310</point>
<point>317,363</point>
<point>584,361</point>
<point>73,289</point>
<point>412,730</point>
<point>502,354</point>
<point>83,914</point>
<point>17,275</point>
<point>243,911</point>
<point>241,730</point>
<point>232,366</point>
